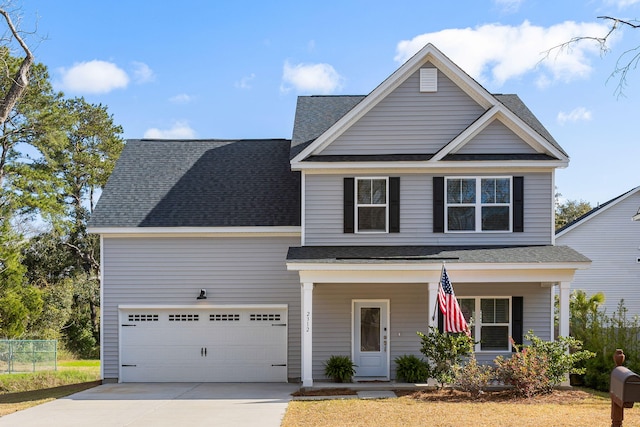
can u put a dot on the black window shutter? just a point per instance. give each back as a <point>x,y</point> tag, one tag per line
<point>517,314</point>
<point>440,320</point>
<point>349,187</point>
<point>518,204</point>
<point>438,204</point>
<point>394,205</point>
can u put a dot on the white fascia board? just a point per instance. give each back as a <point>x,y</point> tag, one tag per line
<point>458,273</point>
<point>425,166</point>
<point>429,53</point>
<point>511,121</point>
<point>636,217</point>
<point>434,266</point>
<point>106,232</point>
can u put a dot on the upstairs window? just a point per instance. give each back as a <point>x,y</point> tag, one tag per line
<point>478,204</point>
<point>371,205</point>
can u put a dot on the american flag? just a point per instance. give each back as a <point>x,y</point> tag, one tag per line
<point>454,320</point>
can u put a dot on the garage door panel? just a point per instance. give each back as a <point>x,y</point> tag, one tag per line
<point>210,345</point>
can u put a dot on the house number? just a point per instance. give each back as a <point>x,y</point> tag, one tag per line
<point>308,320</point>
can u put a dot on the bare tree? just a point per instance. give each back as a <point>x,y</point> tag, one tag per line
<point>627,61</point>
<point>21,79</point>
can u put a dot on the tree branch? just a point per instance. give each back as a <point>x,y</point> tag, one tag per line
<point>21,79</point>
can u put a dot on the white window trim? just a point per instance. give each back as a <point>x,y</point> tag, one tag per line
<point>477,322</point>
<point>356,205</point>
<point>477,205</point>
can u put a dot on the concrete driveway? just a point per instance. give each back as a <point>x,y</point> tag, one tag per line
<point>163,404</point>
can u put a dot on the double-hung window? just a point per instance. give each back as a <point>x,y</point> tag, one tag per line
<point>371,205</point>
<point>490,321</point>
<point>478,204</point>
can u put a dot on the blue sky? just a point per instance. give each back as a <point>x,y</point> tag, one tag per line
<point>233,68</point>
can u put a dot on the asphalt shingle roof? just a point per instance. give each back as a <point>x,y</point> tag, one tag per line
<point>201,183</point>
<point>434,254</point>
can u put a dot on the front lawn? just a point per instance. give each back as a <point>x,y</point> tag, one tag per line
<point>578,408</point>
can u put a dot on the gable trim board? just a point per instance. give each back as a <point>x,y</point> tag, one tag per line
<point>494,110</point>
<point>427,54</point>
<point>513,122</point>
<point>598,210</point>
<point>196,231</point>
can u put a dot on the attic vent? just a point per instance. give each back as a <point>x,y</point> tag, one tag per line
<point>428,79</point>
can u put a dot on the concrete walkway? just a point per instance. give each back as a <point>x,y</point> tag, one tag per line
<point>162,404</point>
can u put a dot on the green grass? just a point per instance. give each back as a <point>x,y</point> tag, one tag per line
<point>21,391</point>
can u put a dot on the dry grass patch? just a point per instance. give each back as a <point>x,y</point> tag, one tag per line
<point>450,408</point>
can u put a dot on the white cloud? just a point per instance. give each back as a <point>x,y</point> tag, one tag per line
<point>181,98</point>
<point>577,114</point>
<point>245,82</point>
<point>508,6</point>
<point>621,4</point>
<point>93,77</point>
<point>495,53</point>
<point>321,79</point>
<point>180,130</point>
<point>142,73</point>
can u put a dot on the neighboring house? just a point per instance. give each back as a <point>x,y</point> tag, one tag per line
<point>333,242</point>
<point>610,236</point>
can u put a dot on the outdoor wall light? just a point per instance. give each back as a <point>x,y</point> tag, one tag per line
<point>203,294</point>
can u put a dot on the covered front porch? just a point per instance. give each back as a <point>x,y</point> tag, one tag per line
<point>344,288</point>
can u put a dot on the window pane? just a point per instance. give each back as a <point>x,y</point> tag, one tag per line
<point>468,191</point>
<point>379,195</point>
<point>502,310</point>
<point>370,329</point>
<point>453,191</point>
<point>494,337</point>
<point>487,308</point>
<point>488,188</point>
<point>372,219</point>
<point>468,308</point>
<point>495,218</point>
<point>364,191</point>
<point>463,218</point>
<point>503,191</point>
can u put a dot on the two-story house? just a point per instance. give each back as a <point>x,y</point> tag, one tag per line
<point>257,260</point>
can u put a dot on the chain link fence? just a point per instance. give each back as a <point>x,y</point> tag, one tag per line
<point>28,356</point>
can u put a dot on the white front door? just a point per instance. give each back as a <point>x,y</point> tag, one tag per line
<point>371,338</point>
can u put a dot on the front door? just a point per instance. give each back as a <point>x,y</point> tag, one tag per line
<point>371,338</point>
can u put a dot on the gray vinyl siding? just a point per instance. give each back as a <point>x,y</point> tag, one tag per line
<point>324,215</point>
<point>171,271</point>
<point>408,312</point>
<point>496,139</point>
<point>612,241</point>
<point>410,122</point>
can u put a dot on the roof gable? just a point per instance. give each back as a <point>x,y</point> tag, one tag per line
<point>506,108</point>
<point>597,211</point>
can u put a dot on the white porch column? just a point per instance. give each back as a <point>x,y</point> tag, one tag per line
<point>307,334</point>
<point>433,297</point>
<point>565,289</point>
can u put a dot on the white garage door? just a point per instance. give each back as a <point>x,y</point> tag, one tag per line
<point>247,344</point>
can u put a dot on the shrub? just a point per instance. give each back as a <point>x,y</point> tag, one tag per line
<point>340,368</point>
<point>565,356</point>
<point>603,334</point>
<point>526,371</point>
<point>444,351</point>
<point>473,377</point>
<point>411,369</point>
